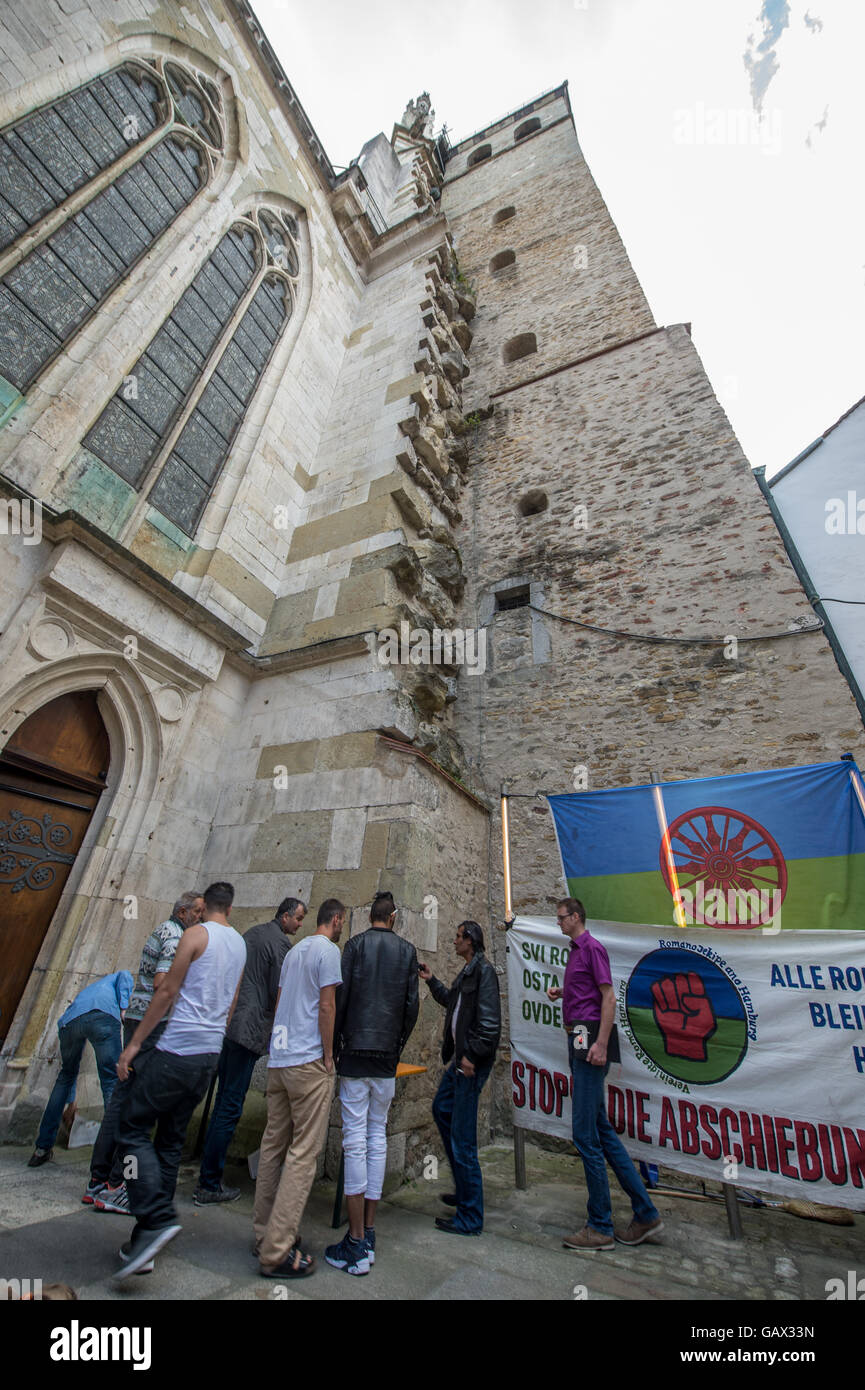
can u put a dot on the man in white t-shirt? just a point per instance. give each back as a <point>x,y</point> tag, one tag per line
<point>300,1083</point>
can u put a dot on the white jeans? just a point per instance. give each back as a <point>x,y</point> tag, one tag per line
<point>365,1101</point>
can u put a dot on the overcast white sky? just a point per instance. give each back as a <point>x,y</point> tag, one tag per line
<point>751,231</point>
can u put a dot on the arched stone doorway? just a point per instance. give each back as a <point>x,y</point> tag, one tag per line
<point>52,773</point>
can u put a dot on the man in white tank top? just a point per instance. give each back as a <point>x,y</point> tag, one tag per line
<point>170,1080</point>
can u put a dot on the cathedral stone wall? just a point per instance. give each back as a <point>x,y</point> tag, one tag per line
<point>234,566</point>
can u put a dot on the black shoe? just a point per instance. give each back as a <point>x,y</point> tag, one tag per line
<point>445,1223</point>
<point>143,1246</point>
<point>449,1198</point>
<point>207,1196</point>
<point>38,1157</point>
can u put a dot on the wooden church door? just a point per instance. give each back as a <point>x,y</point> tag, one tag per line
<point>52,773</point>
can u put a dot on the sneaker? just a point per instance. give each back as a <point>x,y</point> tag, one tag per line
<point>93,1190</point>
<point>125,1253</point>
<point>369,1237</point>
<point>206,1196</point>
<point>446,1223</point>
<point>638,1231</point>
<point>351,1255</point>
<point>38,1157</point>
<point>589,1240</point>
<point>142,1248</point>
<point>113,1199</point>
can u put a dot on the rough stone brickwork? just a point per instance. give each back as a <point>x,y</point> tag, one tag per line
<point>559,222</point>
<point>643,517</point>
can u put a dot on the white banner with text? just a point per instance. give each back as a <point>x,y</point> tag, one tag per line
<point>743,1054</point>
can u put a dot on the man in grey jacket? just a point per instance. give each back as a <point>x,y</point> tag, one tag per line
<point>247,1038</point>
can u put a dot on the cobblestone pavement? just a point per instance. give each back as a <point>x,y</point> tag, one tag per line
<point>46,1233</point>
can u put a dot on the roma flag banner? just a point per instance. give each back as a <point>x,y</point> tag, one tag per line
<point>743,1054</point>
<point>783,849</point>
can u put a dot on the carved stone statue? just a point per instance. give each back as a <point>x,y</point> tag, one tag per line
<point>418,117</point>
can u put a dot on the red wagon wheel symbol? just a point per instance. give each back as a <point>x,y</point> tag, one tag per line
<point>726,850</point>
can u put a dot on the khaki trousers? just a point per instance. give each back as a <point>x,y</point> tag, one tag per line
<point>298,1105</point>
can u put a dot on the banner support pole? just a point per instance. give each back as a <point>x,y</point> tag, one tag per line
<point>520,1179</point>
<point>506,856</point>
<point>734,1216</point>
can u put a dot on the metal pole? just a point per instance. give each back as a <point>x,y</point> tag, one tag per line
<point>520,1179</point>
<point>506,855</point>
<point>734,1216</point>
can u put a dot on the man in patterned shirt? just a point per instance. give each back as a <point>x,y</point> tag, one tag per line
<point>106,1189</point>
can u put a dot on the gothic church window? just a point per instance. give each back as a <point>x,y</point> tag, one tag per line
<point>479,156</point>
<point>171,424</point>
<point>80,145</point>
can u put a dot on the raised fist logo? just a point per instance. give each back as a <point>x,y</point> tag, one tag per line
<point>684,1014</point>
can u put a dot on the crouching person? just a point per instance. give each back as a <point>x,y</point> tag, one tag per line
<point>471,1035</point>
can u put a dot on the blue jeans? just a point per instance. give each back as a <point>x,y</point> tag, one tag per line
<point>455,1111</point>
<point>236,1065</point>
<point>598,1144</point>
<point>103,1032</point>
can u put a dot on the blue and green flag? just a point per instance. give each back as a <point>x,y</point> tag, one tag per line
<point>785,847</point>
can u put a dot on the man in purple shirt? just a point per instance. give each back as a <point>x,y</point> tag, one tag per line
<point>588,1010</point>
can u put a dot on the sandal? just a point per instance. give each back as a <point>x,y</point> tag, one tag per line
<point>296,1265</point>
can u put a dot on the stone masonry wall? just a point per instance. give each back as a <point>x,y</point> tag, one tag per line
<point>571,283</point>
<point>649,522</point>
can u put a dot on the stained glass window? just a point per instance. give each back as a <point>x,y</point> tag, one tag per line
<point>161,409</point>
<point>129,433</point>
<point>200,452</point>
<point>47,296</point>
<point>45,299</point>
<point>53,152</point>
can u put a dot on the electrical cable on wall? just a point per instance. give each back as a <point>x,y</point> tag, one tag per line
<point>678,641</point>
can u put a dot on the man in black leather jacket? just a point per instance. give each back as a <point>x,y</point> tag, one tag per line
<point>472,1028</point>
<point>377,1008</point>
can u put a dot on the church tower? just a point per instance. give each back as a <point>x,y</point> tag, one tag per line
<point>641,615</point>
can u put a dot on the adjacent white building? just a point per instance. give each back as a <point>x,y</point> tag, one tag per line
<point>818,501</point>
